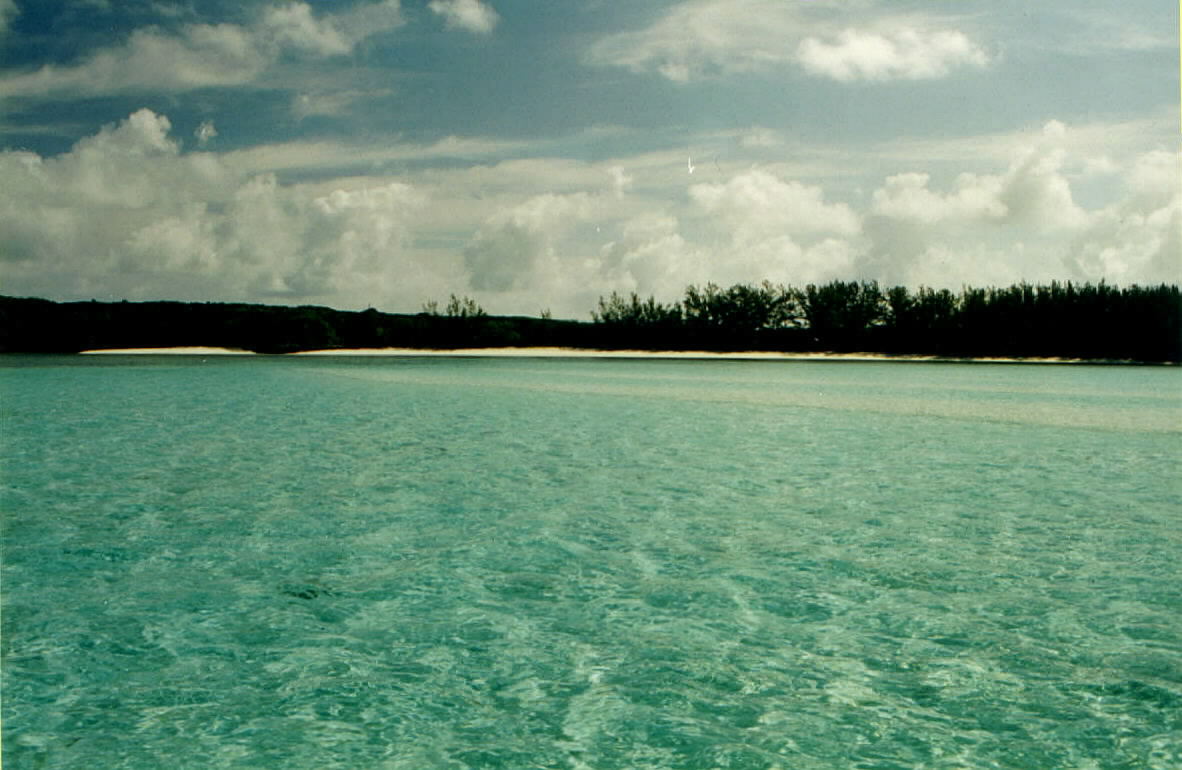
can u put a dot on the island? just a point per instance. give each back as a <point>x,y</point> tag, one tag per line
<point>1088,322</point>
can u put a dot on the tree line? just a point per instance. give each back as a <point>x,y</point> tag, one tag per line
<point>1088,320</point>
<point>1085,321</point>
<point>33,325</point>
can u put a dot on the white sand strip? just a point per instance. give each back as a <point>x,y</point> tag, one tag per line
<point>576,353</point>
<point>191,351</point>
<point>540,352</point>
<point>662,354</point>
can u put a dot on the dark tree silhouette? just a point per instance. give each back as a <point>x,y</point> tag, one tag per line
<point>1087,321</point>
<point>842,314</point>
<point>1084,321</point>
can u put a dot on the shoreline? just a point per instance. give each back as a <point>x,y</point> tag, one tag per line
<point>194,350</point>
<point>556,352</point>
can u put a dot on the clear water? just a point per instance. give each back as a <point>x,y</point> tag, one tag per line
<point>466,563</point>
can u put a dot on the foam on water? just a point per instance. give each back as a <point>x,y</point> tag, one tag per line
<point>263,562</point>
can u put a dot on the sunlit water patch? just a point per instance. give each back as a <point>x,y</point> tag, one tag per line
<point>408,563</point>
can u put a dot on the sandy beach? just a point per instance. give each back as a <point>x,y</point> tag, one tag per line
<point>753,355</point>
<point>183,351</point>
<point>551,352</point>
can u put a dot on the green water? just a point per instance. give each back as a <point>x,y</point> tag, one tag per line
<point>259,562</point>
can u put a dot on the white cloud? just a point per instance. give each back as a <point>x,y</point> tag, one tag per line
<point>1138,238</point>
<point>1155,176</point>
<point>757,204</point>
<point>1036,194</point>
<point>126,214</point>
<point>200,55</point>
<point>1033,192</point>
<point>701,38</point>
<point>517,247</point>
<point>651,258</point>
<point>1129,246</point>
<point>1024,223</point>
<point>472,15</point>
<point>764,227</point>
<point>68,214</point>
<point>706,37</point>
<point>906,196</point>
<point>294,25</point>
<point>129,212</point>
<point>900,54</point>
<point>204,55</point>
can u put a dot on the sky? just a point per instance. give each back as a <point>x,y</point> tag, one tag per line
<point>536,155</point>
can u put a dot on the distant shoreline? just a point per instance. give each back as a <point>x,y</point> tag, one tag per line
<point>1121,328</point>
<point>193,350</point>
<point>558,352</point>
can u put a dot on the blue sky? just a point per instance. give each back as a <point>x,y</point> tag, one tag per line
<point>537,154</point>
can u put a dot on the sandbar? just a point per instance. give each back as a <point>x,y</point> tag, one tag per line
<point>554,352</point>
<point>754,355</point>
<point>181,351</point>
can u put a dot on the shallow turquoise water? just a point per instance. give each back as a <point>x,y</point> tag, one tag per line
<point>266,562</point>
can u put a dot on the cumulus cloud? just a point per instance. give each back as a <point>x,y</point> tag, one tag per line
<point>131,212</point>
<point>651,258</point>
<point>1033,192</point>
<point>64,215</point>
<point>516,246</point>
<point>751,227</point>
<point>1025,224</point>
<point>471,15</point>
<point>204,55</point>
<point>907,196</point>
<point>756,204</point>
<point>1154,177</point>
<point>1138,238</point>
<point>126,213</point>
<point>900,54</point>
<point>775,229</point>
<point>701,38</point>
